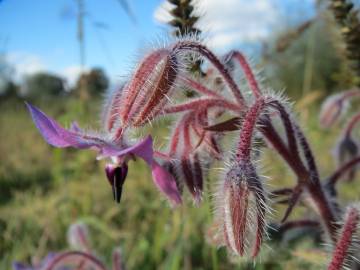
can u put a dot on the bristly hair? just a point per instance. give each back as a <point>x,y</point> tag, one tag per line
<point>346,253</point>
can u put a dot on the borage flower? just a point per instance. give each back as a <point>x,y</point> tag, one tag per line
<point>118,151</point>
<point>38,266</point>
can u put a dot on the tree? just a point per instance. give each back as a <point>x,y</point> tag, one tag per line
<point>94,82</point>
<point>43,85</point>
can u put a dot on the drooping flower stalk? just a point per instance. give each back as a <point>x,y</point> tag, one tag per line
<point>74,257</point>
<point>295,224</point>
<point>355,119</point>
<point>242,199</point>
<point>199,87</point>
<point>249,75</point>
<point>205,52</point>
<point>336,176</point>
<point>308,176</point>
<point>204,102</point>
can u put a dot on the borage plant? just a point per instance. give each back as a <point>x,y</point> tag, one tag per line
<point>81,257</point>
<point>199,130</point>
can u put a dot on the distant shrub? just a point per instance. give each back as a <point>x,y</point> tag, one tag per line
<point>43,85</point>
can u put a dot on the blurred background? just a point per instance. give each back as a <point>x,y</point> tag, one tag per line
<point>64,55</point>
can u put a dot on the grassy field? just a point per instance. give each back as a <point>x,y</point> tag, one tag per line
<point>43,190</point>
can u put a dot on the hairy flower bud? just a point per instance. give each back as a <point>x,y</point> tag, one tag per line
<point>332,109</point>
<point>346,150</point>
<point>78,237</point>
<point>336,105</point>
<point>146,93</point>
<point>242,208</point>
<point>192,173</point>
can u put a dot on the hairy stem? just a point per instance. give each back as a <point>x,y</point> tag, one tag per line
<point>249,75</point>
<point>204,51</point>
<point>336,176</point>
<point>351,124</point>
<point>343,244</point>
<point>195,104</point>
<point>82,255</point>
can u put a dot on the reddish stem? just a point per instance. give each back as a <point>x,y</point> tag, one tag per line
<point>307,178</point>
<point>175,138</point>
<point>199,87</point>
<point>336,176</point>
<point>247,130</point>
<point>315,188</point>
<point>98,264</point>
<point>298,224</point>
<point>204,51</point>
<point>287,122</point>
<point>351,124</point>
<point>247,71</point>
<point>351,93</point>
<point>202,102</point>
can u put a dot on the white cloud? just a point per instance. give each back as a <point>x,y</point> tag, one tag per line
<point>71,74</point>
<point>162,12</point>
<point>230,22</point>
<point>24,64</point>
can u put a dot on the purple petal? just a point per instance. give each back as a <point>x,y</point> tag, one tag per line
<point>166,183</point>
<point>43,263</point>
<point>20,266</point>
<point>57,136</point>
<point>142,149</point>
<point>75,127</point>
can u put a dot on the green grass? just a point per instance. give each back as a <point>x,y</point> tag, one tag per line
<point>44,190</point>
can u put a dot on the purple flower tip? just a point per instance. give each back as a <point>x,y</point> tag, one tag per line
<point>116,176</point>
<point>52,132</point>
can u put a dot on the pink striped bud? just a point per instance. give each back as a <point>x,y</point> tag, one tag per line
<point>144,96</point>
<point>331,110</point>
<point>78,237</point>
<point>242,208</point>
<point>335,106</point>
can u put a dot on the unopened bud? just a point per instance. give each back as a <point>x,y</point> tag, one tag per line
<point>346,150</point>
<point>332,109</point>
<point>78,237</point>
<point>243,208</point>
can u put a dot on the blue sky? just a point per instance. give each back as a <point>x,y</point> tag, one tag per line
<point>41,34</point>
